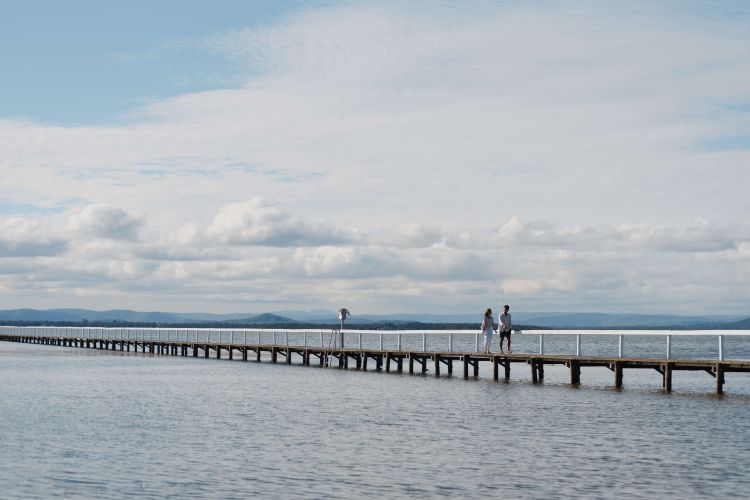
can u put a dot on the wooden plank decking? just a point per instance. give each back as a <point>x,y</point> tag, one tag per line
<point>400,360</point>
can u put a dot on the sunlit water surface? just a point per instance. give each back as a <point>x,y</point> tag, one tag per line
<point>97,424</point>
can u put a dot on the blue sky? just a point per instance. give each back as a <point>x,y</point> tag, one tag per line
<point>90,61</point>
<point>390,156</point>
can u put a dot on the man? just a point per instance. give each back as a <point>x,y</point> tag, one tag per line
<point>505,327</point>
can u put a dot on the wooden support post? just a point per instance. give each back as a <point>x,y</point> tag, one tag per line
<point>667,377</point>
<point>400,364</point>
<point>274,354</point>
<point>476,367</point>
<point>424,365</point>
<point>495,369</point>
<point>411,364</point>
<point>533,371</point>
<point>466,366</point>
<point>244,354</point>
<point>288,356</point>
<point>387,361</point>
<point>540,369</point>
<point>450,366</point>
<point>342,360</point>
<point>195,351</point>
<point>206,350</point>
<point>358,361</point>
<point>507,370</point>
<point>437,364</point>
<point>231,353</point>
<point>575,373</point>
<point>364,361</point>
<point>257,355</point>
<point>618,375</point>
<point>719,371</point>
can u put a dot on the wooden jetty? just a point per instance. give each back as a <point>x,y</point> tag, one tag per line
<point>398,360</point>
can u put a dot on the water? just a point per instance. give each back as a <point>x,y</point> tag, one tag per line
<point>101,424</point>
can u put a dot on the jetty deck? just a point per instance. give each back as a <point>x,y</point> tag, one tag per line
<point>442,363</point>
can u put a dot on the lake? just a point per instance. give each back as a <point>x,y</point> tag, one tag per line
<point>102,424</point>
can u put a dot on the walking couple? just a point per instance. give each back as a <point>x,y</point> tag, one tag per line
<point>489,327</point>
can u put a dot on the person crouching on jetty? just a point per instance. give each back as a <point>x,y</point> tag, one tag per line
<point>505,327</point>
<point>488,328</point>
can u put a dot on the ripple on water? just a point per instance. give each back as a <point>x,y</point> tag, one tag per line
<point>109,425</point>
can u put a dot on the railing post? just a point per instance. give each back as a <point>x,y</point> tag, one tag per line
<point>669,346</point>
<point>476,342</point>
<point>286,338</point>
<point>424,342</point>
<point>321,338</point>
<point>721,348</point>
<point>274,337</point>
<point>450,342</point>
<point>619,346</point>
<point>359,339</point>
<point>578,344</point>
<point>305,339</point>
<point>399,342</point>
<point>541,343</point>
<point>381,341</point>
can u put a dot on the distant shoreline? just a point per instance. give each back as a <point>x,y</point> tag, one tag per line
<point>384,326</point>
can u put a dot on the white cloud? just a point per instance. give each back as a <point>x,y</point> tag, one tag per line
<point>103,221</point>
<point>257,222</point>
<point>24,237</point>
<point>438,155</point>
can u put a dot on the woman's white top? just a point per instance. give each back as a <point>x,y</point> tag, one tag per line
<point>488,326</point>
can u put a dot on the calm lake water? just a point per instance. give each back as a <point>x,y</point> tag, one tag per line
<point>98,424</point>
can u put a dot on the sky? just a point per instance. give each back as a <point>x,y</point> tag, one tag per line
<point>410,156</point>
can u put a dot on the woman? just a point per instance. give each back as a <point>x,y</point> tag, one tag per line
<point>488,328</point>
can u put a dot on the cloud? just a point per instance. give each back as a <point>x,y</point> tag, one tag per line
<point>700,236</point>
<point>257,222</point>
<point>433,157</point>
<point>410,236</point>
<point>103,221</point>
<point>24,237</point>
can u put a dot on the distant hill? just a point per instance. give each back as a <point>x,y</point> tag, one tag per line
<point>262,319</point>
<point>36,315</point>
<point>740,325</point>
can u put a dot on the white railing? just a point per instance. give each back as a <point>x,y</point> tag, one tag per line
<point>621,334</point>
<point>424,340</point>
<point>438,339</point>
